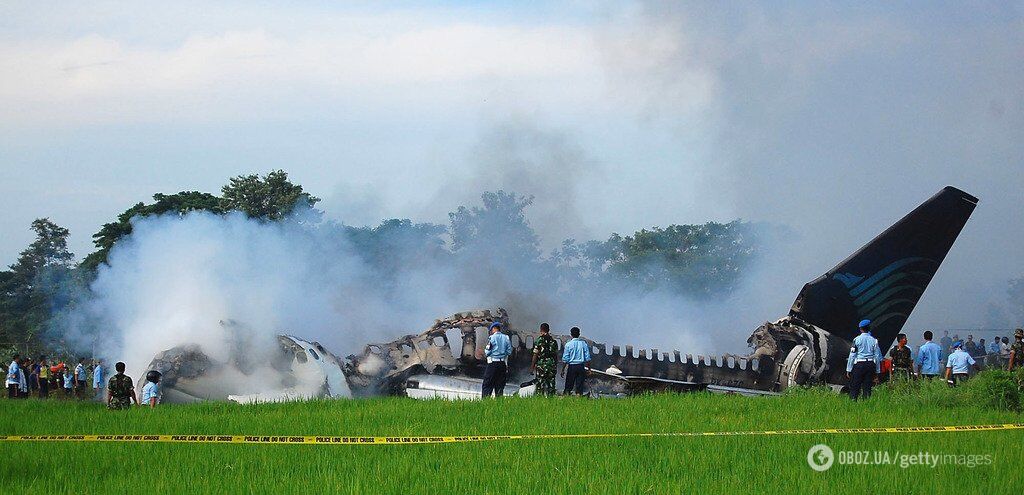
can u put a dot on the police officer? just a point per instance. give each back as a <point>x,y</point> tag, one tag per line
<point>576,360</point>
<point>498,349</point>
<point>928,361</point>
<point>864,362</point>
<point>902,362</point>
<point>120,390</point>
<point>958,364</point>
<point>545,358</point>
<point>1016,350</point>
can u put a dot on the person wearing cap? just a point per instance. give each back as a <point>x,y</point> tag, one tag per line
<point>958,365</point>
<point>1016,359</point>
<point>928,361</point>
<point>575,359</point>
<point>902,362</point>
<point>864,363</point>
<point>498,349</point>
<point>151,390</point>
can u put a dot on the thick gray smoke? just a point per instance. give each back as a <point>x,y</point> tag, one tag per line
<point>837,120</point>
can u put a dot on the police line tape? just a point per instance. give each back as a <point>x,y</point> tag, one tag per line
<point>407,440</point>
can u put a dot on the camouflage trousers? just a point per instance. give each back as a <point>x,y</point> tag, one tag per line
<point>116,403</point>
<point>545,378</point>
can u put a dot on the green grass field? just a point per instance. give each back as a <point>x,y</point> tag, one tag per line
<point>775,464</point>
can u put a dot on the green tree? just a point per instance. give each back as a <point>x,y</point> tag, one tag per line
<point>499,228</point>
<point>180,203</point>
<point>694,260</point>
<point>29,289</point>
<point>271,197</point>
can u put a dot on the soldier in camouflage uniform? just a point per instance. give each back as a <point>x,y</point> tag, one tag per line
<point>902,362</point>
<point>1017,351</point>
<point>120,390</point>
<point>545,359</point>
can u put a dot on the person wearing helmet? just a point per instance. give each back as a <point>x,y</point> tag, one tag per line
<point>498,349</point>
<point>958,365</point>
<point>151,391</point>
<point>864,362</point>
<point>1016,350</point>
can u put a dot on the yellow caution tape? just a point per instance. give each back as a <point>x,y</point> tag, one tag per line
<point>356,440</point>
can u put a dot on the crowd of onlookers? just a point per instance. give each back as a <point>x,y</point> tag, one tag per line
<point>41,377</point>
<point>994,353</point>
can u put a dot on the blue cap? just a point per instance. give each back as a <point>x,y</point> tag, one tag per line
<point>864,323</point>
<point>958,343</point>
<point>495,324</point>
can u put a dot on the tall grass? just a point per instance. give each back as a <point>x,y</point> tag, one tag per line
<point>623,465</point>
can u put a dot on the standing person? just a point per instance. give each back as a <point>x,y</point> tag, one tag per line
<point>69,382</point>
<point>44,378</point>
<point>947,345</point>
<point>1004,352</point>
<point>80,378</point>
<point>958,365</point>
<point>13,381</point>
<point>120,389</point>
<point>971,346</point>
<point>26,364</point>
<point>993,353</point>
<point>498,349</point>
<point>902,362</point>
<point>864,362</point>
<point>928,361</point>
<point>1016,351</point>
<point>151,390</point>
<point>97,379</point>
<point>545,359</point>
<point>575,359</point>
<point>33,376</point>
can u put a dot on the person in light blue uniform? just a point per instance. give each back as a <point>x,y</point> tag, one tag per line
<point>928,360</point>
<point>13,380</point>
<point>498,349</point>
<point>151,391</point>
<point>958,365</point>
<point>864,363</point>
<point>98,379</point>
<point>575,359</point>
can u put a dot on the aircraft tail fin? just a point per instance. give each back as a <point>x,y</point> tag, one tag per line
<point>885,278</point>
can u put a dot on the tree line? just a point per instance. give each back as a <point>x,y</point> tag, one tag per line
<point>695,261</point>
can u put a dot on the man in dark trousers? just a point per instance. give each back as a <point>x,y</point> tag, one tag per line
<point>575,358</point>
<point>498,349</point>
<point>864,362</point>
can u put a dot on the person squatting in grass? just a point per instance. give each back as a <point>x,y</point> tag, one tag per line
<point>575,359</point>
<point>545,361</point>
<point>864,363</point>
<point>120,389</point>
<point>498,349</point>
<point>958,365</point>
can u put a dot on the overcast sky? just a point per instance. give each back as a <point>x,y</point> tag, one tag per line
<point>831,119</point>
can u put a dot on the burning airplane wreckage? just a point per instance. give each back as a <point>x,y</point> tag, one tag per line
<point>882,281</point>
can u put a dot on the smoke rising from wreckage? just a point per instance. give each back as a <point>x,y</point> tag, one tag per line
<point>882,281</point>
